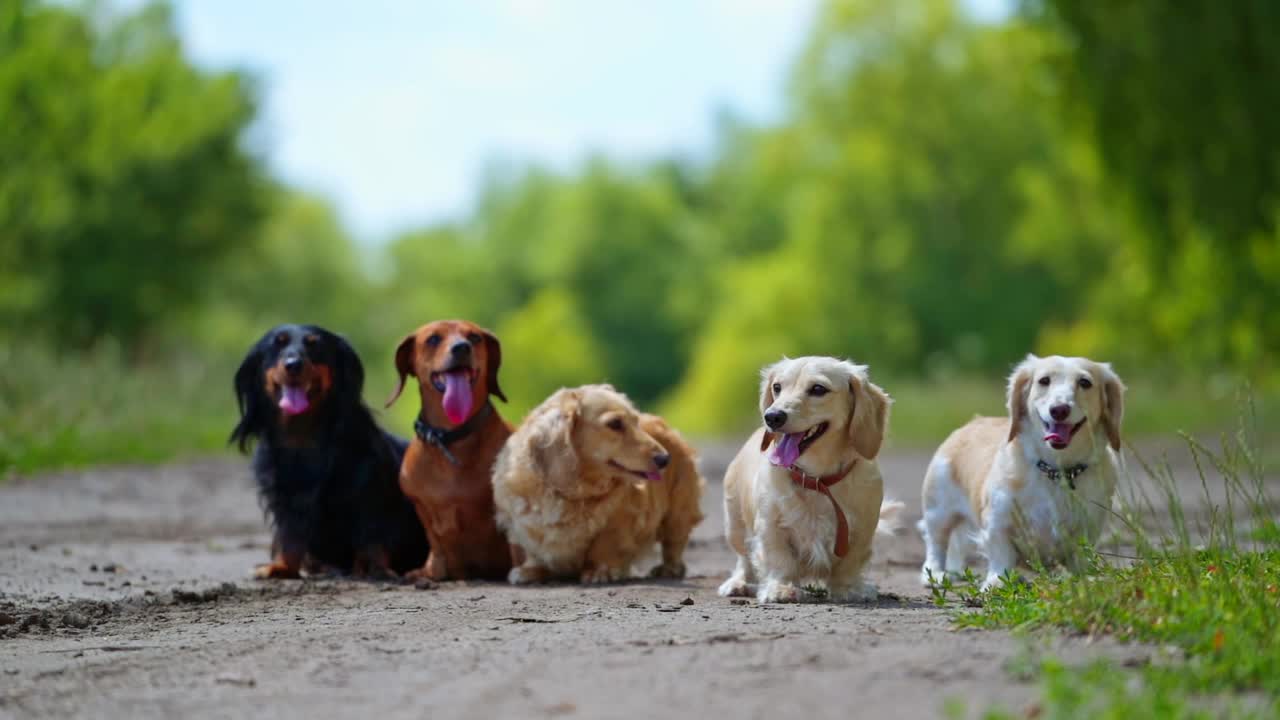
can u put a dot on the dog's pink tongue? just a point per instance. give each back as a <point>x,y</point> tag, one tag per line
<point>457,396</point>
<point>787,450</point>
<point>1058,434</point>
<point>293,400</point>
<point>653,476</point>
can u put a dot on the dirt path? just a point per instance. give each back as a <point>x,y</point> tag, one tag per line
<point>124,593</point>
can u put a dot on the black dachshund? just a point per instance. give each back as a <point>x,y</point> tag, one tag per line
<point>328,476</point>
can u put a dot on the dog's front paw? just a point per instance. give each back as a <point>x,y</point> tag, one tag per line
<point>668,570</point>
<point>602,574</point>
<point>930,576</point>
<point>735,586</point>
<point>992,582</point>
<point>775,591</point>
<point>373,569</point>
<point>860,592</point>
<point>276,571</point>
<point>527,574</point>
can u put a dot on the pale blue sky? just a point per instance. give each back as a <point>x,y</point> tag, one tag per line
<point>392,108</point>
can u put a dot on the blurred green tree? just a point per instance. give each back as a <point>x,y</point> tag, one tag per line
<point>918,155</point>
<point>302,267</point>
<point>619,252</point>
<point>124,179</point>
<point>1181,101</point>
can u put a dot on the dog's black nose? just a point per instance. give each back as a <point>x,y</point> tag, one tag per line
<point>775,419</point>
<point>1060,412</point>
<point>661,460</point>
<point>293,364</point>
<point>460,349</point>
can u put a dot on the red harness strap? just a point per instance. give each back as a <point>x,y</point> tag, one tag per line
<point>823,485</point>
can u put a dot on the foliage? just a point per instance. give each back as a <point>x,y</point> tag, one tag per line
<point>940,196</point>
<point>60,411</point>
<point>1176,101</point>
<point>123,177</point>
<point>1214,594</point>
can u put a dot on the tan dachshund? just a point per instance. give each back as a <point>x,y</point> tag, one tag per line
<point>458,433</point>
<point>587,485</point>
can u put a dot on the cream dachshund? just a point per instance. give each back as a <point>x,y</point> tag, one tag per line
<point>1032,485</point>
<point>810,508</point>
<point>587,485</point>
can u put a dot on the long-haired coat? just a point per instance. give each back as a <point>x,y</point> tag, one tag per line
<point>587,485</point>
<point>326,473</point>
<point>1033,485</point>
<point>809,508</point>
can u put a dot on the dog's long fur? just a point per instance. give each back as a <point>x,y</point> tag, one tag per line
<point>453,495</point>
<point>983,483</point>
<point>570,491</point>
<point>326,476</point>
<point>784,534</point>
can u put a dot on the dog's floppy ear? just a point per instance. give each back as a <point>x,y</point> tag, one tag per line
<point>404,363</point>
<point>1019,382</point>
<point>350,371</point>
<point>250,397</point>
<point>869,418</point>
<point>1112,404</point>
<point>493,358</point>
<point>551,439</point>
<point>766,400</point>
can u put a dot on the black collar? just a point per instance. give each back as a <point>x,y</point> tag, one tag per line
<point>1070,473</point>
<point>442,438</point>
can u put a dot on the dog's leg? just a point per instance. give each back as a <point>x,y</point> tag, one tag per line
<point>286,560</point>
<point>437,566</point>
<point>742,582</point>
<point>283,566</point>
<point>773,555</point>
<point>1001,554</point>
<point>674,534</point>
<point>847,584</point>
<point>528,573</point>
<point>959,549</point>
<point>1001,521</point>
<point>609,557</point>
<point>937,532</point>
<point>373,563</point>
<point>943,505</point>
<point>444,560</point>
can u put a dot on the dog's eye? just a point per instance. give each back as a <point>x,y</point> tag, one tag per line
<point>474,338</point>
<point>777,387</point>
<point>1086,383</point>
<point>310,340</point>
<point>1044,381</point>
<point>615,425</point>
<point>282,339</point>
<point>818,390</point>
<point>434,340</point>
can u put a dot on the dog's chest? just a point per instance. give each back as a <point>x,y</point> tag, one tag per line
<point>1052,518</point>
<point>559,530</point>
<point>809,521</point>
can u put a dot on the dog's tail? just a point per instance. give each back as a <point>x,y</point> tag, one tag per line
<point>890,523</point>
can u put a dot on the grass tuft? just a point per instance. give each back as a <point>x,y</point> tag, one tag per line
<point>1207,583</point>
<point>58,411</point>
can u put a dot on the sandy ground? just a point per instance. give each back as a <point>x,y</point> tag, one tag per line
<point>125,593</point>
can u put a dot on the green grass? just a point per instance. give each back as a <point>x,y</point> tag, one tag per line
<point>1207,586</point>
<point>59,412</point>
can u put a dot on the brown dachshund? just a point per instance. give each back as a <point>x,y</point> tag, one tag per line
<point>458,434</point>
